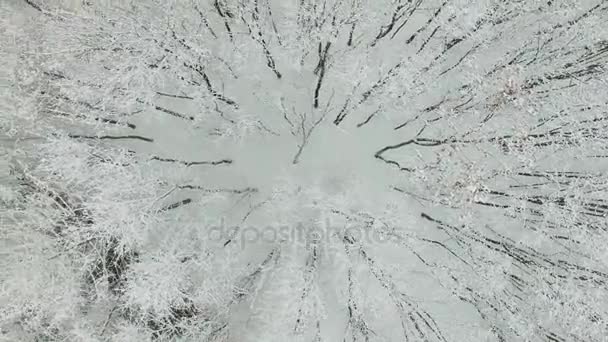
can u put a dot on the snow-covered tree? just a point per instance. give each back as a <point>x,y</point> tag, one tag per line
<point>315,170</point>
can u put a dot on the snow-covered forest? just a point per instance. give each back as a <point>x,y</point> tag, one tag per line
<point>304,170</point>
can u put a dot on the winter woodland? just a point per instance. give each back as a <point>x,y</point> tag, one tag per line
<point>304,170</point>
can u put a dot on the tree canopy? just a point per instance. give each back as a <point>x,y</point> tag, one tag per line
<point>314,170</point>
